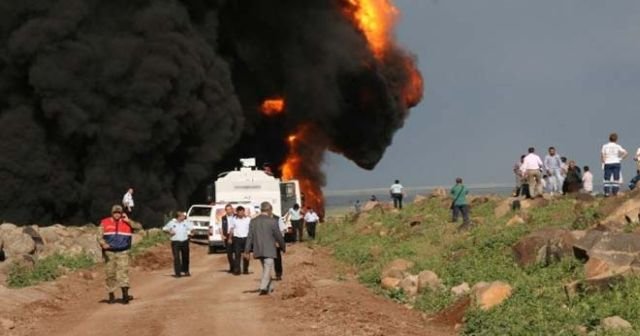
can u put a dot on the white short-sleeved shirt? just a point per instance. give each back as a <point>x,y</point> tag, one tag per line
<point>612,153</point>
<point>311,217</point>
<point>240,226</point>
<point>181,230</point>
<point>587,182</point>
<point>295,214</point>
<point>396,188</point>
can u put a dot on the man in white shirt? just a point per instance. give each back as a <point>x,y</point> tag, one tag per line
<point>180,231</point>
<point>239,230</point>
<point>311,220</point>
<point>531,168</point>
<point>611,157</point>
<point>127,201</point>
<point>587,181</point>
<point>397,193</point>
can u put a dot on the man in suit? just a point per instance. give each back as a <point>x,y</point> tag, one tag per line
<point>228,244</point>
<point>264,239</point>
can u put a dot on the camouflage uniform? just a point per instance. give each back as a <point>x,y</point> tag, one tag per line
<point>116,263</point>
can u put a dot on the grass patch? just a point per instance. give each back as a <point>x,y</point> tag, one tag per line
<point>538,306</point>
<point>46,269</point>
<point>149,240</point>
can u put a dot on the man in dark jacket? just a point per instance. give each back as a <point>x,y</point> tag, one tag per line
<point>228,244</point>
<point>264,239</point>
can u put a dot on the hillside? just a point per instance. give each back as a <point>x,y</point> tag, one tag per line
<point>512,273</point>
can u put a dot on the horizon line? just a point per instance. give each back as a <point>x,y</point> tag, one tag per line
<point>339,192</point>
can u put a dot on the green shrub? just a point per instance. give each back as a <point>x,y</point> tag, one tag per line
<point>46,269</point>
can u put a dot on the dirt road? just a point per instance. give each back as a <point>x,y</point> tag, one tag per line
<point>308,302</point>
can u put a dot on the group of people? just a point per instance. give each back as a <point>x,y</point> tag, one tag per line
<point>261,237</point>
<point>556,175</point>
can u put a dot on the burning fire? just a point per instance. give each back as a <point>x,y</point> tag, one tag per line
<point>376,19</point>
<point>272,107</point>
<point>303,147</point>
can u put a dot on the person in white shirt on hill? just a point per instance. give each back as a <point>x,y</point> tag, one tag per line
<point>611,156</point>
<point>397,193</point>
<point>532,169</point>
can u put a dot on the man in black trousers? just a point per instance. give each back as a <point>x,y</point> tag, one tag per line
<point>180,230</point>
<point>226,237</point>
<point>239,229</point>
<point>277,262</point>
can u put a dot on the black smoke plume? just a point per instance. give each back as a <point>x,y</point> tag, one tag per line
<point>161,95</point>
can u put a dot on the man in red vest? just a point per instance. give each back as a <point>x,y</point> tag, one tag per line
<point>115,239</point>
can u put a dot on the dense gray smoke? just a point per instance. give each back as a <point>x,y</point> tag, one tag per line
<point>160,95</point>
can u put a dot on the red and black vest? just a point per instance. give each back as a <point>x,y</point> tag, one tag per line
<point>116,233</point>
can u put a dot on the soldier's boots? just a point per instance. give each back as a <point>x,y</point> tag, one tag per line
<point>112,298</point>
<point>125,295</point>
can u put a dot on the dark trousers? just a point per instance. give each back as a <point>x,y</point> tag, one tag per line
<point>230,254</point>
<point>611,170</point>
<point>180,251</point>
<point>278,264</point>
<point>311,229</point>
<point>524,191</point>
<point>297,228</point>
<point>238,248</point>
<point>461,209</point>
<point>397,200</point>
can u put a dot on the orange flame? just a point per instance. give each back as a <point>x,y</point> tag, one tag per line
<point>272,107</point>
<point>376,19</point>
<point>295,166</point>
<point>414,88</point>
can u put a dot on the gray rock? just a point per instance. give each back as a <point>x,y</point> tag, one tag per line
<point>461,289</point>
<point>543,247</point>
<point>17,243</point>
<point>429,280</point>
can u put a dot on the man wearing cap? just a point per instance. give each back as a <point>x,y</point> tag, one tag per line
<point>114,237</point>
<point>264,239</point>
<point>180,230</point>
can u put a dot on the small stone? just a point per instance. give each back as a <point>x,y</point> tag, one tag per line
<point>429,280</point>
<point>616,323</point>
<point>409,285</point>
<point>515,221</point>
<point>461,289</point>
<point>489,295</point>
<point>390,283</point>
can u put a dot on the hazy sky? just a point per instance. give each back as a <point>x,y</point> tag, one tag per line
<point>502,75</point>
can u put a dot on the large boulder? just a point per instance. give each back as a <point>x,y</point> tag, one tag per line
<point>419,199</point>
<point>608,252</point>
<point>630,208</point>
<point>516,220</point>
<point>543,247</point>
<point>439,193</point>
<point>17,243</point>
<point>489,295</point>
<point>428,280</point>
<point>371,205</point>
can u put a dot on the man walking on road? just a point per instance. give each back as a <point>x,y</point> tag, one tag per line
<point>611,156</point>
<point>127,201</point>
<point>531,168</point>
<point>114,237</point>
<point>180,230</point>
<point>295,216</point>
<point>264,238</point>
<point>397,193</point>
<point>553,166</point>
<point>226,237</point>
<point>311,220</point>
<point>239,229</point>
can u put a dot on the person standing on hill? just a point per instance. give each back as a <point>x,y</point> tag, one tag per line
<point>532,169</point>
<point>637,160</point>
<point>459,204</point>
<point>553,166</point>
<point>311,220</point>
<point>587,181</point>
<point>114,237</point>
<point>180,230</point>
<point>397,193</point>
<point>264,239</point>
<point>611,157</point>
<point>127,201</point>
<point>226,237</point>
<point>239,229</point>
